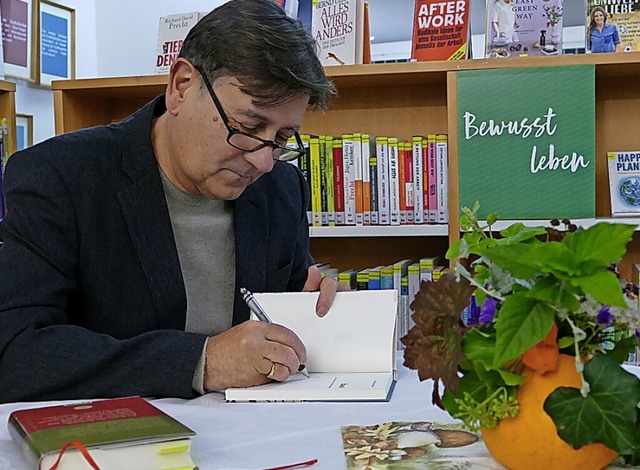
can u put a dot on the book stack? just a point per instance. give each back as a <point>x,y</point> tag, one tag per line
<point>358,179</point>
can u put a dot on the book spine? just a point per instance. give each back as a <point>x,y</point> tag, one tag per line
<point>362,280</point>
<point>373,186</point>
<point>338,181</point>
<point>374,278</point>
<point>304,164</point>
<point>316,189</point>
<point>331,205</point>
<point>366,178</point>
<point>425,181</point>
<point>408,181</point>
<point>349,180</point>
<point>413,274</point>
<point>394,182</point>
<point>357,167</point>
<point>382,147</point>
<point>322,151</point>
<point>402,181</point>
<point>443,178</point>
<point>386,277</point>
<point>418,197</point>
<point>402,322</point>
<point>433,178</point>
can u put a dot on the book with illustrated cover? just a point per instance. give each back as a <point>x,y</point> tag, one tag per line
<point>516,29</point>
<point>624,183</point>
<point>338,28</point>
<point>415,445</point>
<point>350,352</point>
<point>171,33</point>
<point>440,30</point>
<point>624,16</point>
<point>117,433</point>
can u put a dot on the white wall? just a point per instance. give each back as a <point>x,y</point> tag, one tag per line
<point>113,38</point>
<point>38,101</point>
<point>133,51</point>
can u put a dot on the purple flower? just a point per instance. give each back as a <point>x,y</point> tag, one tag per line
<point>604,316</point>
<point>473,314</point>
<point>488,311</point>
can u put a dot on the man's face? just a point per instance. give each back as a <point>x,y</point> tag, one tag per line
<point>201,160</point>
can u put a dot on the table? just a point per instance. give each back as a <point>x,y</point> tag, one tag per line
<point>262,435</point>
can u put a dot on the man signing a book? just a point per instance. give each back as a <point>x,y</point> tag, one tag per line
<point>125,246</point>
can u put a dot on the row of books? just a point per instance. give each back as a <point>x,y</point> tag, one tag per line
<point>405,276</point>
<point>357,179</point>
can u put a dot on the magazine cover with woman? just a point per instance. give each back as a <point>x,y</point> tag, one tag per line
<point>523,28</point>
<point>613,26</point>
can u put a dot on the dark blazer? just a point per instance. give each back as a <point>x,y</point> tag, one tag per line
<point>92,301</point>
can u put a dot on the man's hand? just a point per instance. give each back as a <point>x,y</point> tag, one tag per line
<point>252,353</point>
<point>327,286</point>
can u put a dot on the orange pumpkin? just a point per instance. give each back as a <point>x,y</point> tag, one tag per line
<point>530,440</point>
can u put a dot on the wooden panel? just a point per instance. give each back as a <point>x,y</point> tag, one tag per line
<point>360,253</point>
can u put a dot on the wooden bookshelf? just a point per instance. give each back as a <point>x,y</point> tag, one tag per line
<point>402,100</point>
<point>8,110</point>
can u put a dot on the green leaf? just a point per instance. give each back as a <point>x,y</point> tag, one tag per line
<point>603,285</point>
<point>600,245</point>
<point>469,383</point>
<point>526,261</point>
<point>479,347</point>
<point>608,414</point>
<point>518,233</point>
<point>521,324</point>
<point>510,378</point>
<point>551,290</point>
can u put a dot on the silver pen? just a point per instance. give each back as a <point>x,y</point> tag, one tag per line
<point>259,312</point>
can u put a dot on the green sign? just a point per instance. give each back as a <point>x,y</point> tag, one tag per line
<point>526,141</point>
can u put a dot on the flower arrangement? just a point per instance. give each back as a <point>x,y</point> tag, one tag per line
<point>528,296</point>
<point>553,14</point>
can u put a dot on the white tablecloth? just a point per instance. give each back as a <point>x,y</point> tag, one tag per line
<point>261,435</point>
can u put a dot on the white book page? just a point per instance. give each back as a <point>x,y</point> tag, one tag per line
<point>319,386</point>
<point>356,335</point>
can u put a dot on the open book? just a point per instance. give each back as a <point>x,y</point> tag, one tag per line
<point>350,351</point>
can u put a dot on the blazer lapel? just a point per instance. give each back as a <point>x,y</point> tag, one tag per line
<point>147,218</point>
<point>251,233</point>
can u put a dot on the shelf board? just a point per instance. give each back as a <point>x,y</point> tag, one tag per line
<point>352,231</point>
<point>583,223</point>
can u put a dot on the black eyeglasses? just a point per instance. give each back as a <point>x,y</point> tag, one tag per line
<point>249,142</point>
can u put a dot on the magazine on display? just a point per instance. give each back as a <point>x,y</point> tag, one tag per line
<point>624,183</point>
<point>624,15</point>
<point>440,30</point>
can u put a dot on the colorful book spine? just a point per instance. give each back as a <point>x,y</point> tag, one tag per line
<point>330,189</point>
<point>402,177</point>
<point>382,147</point>
<point>316,188</point>
<point>375,281</point>
<point>338,181</point>
<point>433,178</point>
<point>349,180</point>
<point>413,273</point>
<point>324,208</point>
<point>366,179</point>
<point>425,181</point>
<point>402,321</point>
<point>357,167</point>
<point>386,277</point>
<point>304,164</point>
<point>373,186</point>
<point>408,182</point>
<point>394,182</point>
<point>362,279</point>
<point>443,178</point>
<point>418,198</point>
<point>348,277</point>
